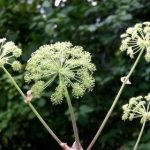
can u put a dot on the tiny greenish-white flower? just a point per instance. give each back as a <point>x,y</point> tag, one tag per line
<point>8,53</point>
<point>136,39</point>
<point>138,107</point>
<point>68,65</point>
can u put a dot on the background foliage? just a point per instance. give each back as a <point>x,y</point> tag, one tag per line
<point>96,25</point>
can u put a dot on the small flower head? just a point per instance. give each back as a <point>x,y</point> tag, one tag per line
<point>60,61</point>
<point>37,88</point>
<point>16,66</point>
<point>58,95</point>
<point>138,107</point>
<point>136,39</point>
<point>8,52</point>
<point>17,52</point>
<point>77,90</point>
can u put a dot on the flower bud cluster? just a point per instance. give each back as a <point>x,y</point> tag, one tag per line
<point>60,61</point>
<point>8,53</point>
<point>138,107</point>
<point>136,39</point>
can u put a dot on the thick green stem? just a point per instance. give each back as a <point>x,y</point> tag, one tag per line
<point>140,135</point>
<point>114,102</point>
<point>32,107</point>
<point>75,129</point>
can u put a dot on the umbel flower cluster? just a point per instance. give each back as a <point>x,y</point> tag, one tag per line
<point>64,63</point>
<point>137,38</point>
<point>138,107</point>
<point>8,54</point>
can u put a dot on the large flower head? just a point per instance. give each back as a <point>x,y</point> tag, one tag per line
<point>138,107</point>
<point>136,39</point>
<point>63,62</point>
<point>8,54</point>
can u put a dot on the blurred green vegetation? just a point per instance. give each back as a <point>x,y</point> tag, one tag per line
<point>95,25</point>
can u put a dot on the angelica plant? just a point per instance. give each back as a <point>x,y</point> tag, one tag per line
<point>138,107</point>
<point>69,65</point>
<point>135,40</point>
<point>70,70</point>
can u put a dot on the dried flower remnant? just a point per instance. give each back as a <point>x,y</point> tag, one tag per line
<point>137,38</point>
<point>74,146</point>
<point>62,62</point>
<point>29,96</point>
<point>123,79</point>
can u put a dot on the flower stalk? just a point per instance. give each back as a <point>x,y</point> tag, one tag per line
<point>140,135</point>
<point>143,126</point>
<point>75,129</point>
